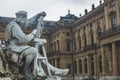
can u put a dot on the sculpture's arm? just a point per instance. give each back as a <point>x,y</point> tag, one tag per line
<point>40,26</point>
<point>18,33</point>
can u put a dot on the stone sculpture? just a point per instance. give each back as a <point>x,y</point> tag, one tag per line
<point>24,54</point>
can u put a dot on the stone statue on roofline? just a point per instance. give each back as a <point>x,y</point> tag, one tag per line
<point>28,55</point>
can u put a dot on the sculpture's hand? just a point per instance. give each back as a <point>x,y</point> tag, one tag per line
<point>40,24</point>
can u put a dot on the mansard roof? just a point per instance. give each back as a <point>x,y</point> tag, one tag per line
<point>47,24</point>
<point>5,20</point>
<point>69,16</point>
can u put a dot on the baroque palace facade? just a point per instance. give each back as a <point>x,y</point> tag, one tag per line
<point>88,45</point>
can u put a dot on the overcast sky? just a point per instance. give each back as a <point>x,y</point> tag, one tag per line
<point>53,8</point>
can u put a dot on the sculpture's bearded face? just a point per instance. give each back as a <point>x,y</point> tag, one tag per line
<point>22,19</point>
<point>22,22</point>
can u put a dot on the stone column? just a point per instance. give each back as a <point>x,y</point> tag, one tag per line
<point>56,63</point>
<point>114,57</point>
<point>103,59</point>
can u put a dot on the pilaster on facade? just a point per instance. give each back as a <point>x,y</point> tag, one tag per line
<point>96,64</point>
<point>103,60</point>
<point>89,65</point>
<point>114,56</point>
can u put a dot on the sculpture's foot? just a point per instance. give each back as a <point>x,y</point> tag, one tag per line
<point>42,74</point>
<point>53,78</point>
<point>61,71</point>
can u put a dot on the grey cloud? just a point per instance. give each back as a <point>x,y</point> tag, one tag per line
<point>54,8</point>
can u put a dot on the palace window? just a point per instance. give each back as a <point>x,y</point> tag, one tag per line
<point>67,34</point>
<point>80,66</point>
<point>84,29</point>
<point>67,46</point>
<point>113,21</point>
<point>86,69</point>
<point>113,18</point>
<point>54,46</point>
<point>85,42</point>
<point>79,44</point>
<point>84,36</point>
<point>58,62</point>
<point>51,47</point>
<point>74,45</point>
<point>58,44</point>
<point>53,62</point>
<point>100,63</point>
<point>91,34</point>
<point>92,65</point>
<point>75,67</point>
<point>92,39</point>
<point>91,26</point>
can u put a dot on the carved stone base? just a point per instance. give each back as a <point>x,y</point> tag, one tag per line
<point>5,78</point>
<point>53,78</point>
<point>23,77</point>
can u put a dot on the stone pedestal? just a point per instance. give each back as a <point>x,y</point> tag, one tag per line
<point>5,78</point>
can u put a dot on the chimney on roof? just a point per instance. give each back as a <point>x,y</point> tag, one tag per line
<point>86,11</point>
<point>80,15</point>
<point>93,6</point>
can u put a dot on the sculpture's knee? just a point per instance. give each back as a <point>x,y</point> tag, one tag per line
<point>33,51</point>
